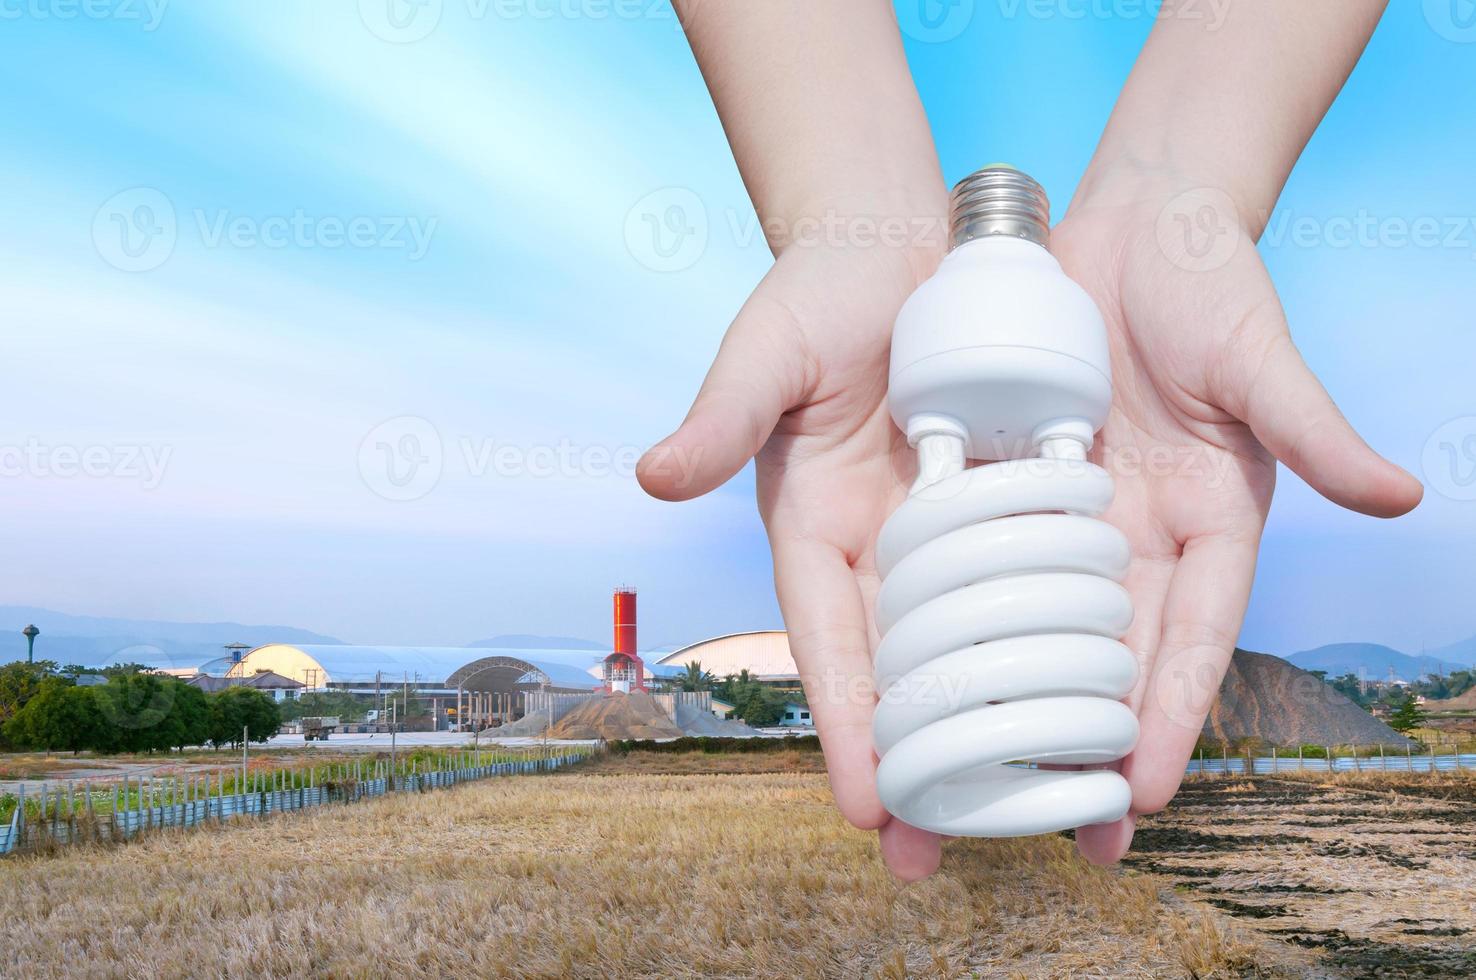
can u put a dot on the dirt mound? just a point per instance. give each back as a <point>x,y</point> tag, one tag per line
<point>528,725</point>
<point>1266,698</point>
<point>1465,701</point>
<point>633,715</point>
<point>694,721</point>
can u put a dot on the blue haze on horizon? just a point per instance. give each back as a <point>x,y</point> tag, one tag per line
<point>519,145</point>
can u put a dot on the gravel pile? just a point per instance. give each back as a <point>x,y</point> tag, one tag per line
<point>1267,698</point>
<point>695,721</point>
<point>524,727</point>
<point>633,715</point>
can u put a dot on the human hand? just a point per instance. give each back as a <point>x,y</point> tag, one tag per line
<point>801,381</point>
<point>1208,393</point>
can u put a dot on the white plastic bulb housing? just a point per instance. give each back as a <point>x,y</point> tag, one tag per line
<point>1003,343</point>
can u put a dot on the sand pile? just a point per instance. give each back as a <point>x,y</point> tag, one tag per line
<point>700,723</point>
<point>633,715</point>
<point>1267,698</point>
<point>1465,701</point>
<point>694,721</point>
<point>526,726</point>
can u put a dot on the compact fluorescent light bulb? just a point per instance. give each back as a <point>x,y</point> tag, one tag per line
<point>1000,608</point>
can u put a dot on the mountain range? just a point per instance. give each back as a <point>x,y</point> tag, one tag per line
<point>96,640</point>
<point>1374,660</point>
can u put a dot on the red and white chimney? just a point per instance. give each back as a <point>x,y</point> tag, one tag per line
<point>625,671</point>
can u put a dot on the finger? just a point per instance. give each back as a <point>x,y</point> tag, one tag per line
<point>1147,582</point>
<point>1201,619</point>
<point>827,635</point>
<point>909,853</point>
<point>758,375</point>
<point>1293,416</point>
<point>1106,843</point>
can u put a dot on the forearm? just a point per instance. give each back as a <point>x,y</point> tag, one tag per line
<point>818,105</point>
<point>1233,103</point>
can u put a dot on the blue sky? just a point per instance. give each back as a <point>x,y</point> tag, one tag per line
<point>309,322</point>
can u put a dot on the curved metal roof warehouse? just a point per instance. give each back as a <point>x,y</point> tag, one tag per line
<point>492,669</point>
<point>763,653</point>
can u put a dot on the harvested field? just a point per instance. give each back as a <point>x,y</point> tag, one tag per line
<point>1376,874</point>
<point>595,875</point>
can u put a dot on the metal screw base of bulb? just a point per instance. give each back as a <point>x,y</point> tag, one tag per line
<point>999,201</point>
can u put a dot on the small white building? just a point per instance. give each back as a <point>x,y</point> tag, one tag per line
<point>796,716</point>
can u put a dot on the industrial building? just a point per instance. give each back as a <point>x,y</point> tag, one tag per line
<point>763,653</point>
<point>473,688</point>
<point>464,686</point>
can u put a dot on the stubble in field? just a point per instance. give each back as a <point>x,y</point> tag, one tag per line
<point>590,874</point>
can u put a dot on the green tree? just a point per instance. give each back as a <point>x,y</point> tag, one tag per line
<point>237,708</point>
<point>136,709</point>
<point>339,704</point>
<point>697,679</point>
<point>188,719</point>
<point>1350,687</point>
<point>19,682</point>
<point>1407,715</point>
<point>61,717</point>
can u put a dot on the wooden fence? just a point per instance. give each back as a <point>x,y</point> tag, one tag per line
<point>133,806</point>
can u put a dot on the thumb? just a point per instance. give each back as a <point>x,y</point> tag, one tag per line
<point>1295,418</point>
<point>758,375</point>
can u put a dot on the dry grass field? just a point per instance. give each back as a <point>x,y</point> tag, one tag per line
<point>1375,873</point>
<point>610,871</point>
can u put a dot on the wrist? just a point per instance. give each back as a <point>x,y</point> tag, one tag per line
<point>902,216</point>
<point>1131,181</point>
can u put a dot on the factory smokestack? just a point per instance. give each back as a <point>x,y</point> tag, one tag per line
<point>625,621</point>
<point>624,669</point>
